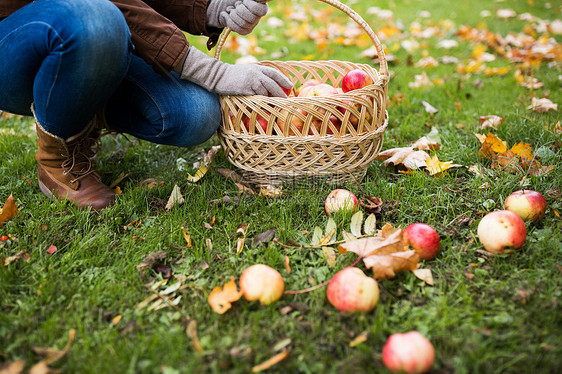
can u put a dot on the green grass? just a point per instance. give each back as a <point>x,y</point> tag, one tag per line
<point>484,315</point>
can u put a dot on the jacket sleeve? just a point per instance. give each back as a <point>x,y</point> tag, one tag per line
<point>156,29</point>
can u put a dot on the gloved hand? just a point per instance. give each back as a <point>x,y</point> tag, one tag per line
<point>240,15</point>
<point>227,79</point>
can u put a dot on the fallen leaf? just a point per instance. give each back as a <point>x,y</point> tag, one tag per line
<point>176,198</point>
<point>359,339</point>
<point>9,210</point>
<point>270,191</point>
<point>53,355</point>
<point>356,223</point>
<point>52,249</point>
<point>115,320</point>
<point>191,332</point>
<point>207,158</point>
<point>492,121</point>
<point>425,275</point>
<point>371,204</point>
<point>221,297</point>
<point>491,145</point>
<point>10,259</point>
<point>386,266</point>
<point>119,179</point>
<point>429,108</point>
<point>272,361</point>
<point>329,255</point>
<point>187,237</point>
<point>370,225</point>
<point>265,237</point>
<point>374,245</point>
<point>434,166</point>
<point>406,156</point>
<point>14,367</point>
<point>431,141</point>
<point>542,105</point>
<point>287,266</point>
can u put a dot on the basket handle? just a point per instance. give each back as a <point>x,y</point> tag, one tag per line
<point>347,10</point>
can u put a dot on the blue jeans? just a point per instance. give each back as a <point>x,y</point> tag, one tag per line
<point>72,58</point>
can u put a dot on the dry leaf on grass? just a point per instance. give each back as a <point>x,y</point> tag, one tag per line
<point>9,210</point>
<point>207,158</point>
<point>406,156</point>
<point>176,198</point>
<point>222,297</point>
<point>542,105</point>
<point>425,275</point>
<point>14,367</point>
<point>386,266</point>
<point>431,141</point>
<point>191,332</point>
<point>491,121</point>
<point>272,361</point>
<point>5,261</point>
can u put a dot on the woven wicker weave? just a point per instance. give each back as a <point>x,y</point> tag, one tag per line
<point>302,138</point>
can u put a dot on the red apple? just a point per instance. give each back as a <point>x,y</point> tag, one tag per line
<point>355,79</point>
<point>259,121</point>
<point>350,290</point>
<point>423,239</point>
<point>341,200</point>
<point>410,353</point>
<point>296,121</point>
<point>308,83</point>
<point>501,230</point>
<point>321,89</point>
<point>527,204</point>
<point>263,283</point>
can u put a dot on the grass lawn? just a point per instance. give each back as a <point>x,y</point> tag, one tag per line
<point>484,314</point>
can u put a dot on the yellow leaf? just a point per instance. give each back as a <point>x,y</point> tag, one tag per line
<point>186,236</point>
<point>287,266</point>
<point>221,297</point>
<point>434,166</point>
<point>272,361</point>
<point>523,150</point>
<point>361,338</point>
<point>491,145</point>
<point>330,255</point>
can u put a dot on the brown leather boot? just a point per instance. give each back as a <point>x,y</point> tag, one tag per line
<point>65,168</point>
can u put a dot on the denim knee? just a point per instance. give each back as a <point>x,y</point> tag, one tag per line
<point>193,127</point>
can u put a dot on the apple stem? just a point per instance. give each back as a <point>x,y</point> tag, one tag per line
<point>308,289</point>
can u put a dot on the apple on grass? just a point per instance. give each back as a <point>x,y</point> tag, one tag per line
<point>423,239</point>
<point>410,353</point>
<point>355,79</point>
<point>527,204</point>
<point>263,283</point>
<point>340,200</point>
<point>501,230</point>
<point>350,290</point>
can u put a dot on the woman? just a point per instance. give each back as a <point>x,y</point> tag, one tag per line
<point>79,66</point>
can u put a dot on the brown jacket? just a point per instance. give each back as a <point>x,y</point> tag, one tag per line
<point>156,27</point>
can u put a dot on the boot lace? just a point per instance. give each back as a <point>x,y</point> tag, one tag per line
<point>78,162</point>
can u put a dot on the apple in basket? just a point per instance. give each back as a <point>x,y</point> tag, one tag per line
<point>322,89</point>
<point>355,79</point>
<point>260,121</point>
<point>296,121</point>
<point>308,83</point>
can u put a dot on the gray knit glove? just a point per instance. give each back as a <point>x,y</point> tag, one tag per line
<point>240,15</point>
<point>227,79</point>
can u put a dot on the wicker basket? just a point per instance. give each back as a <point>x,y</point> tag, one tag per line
<point>332,137</point>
